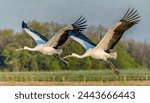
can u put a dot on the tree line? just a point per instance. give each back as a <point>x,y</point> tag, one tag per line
<point>130,54</point>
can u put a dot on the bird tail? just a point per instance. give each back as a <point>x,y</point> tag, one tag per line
<point>114,55</point>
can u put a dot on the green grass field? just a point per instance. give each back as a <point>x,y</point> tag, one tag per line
<point>106,72</point>
<point>15,76</point>
<point>91,77</point>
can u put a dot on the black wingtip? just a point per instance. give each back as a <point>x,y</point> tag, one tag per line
<point>24,25</point>
<point>131,16</point>
<point>80,23</point>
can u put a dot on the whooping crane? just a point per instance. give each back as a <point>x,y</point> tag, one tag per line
<point>102,50</point>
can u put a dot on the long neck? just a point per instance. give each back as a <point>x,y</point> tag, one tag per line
<point>78,56</point>
<point>30,49</point>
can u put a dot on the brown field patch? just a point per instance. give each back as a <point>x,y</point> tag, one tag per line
<point>43,83</point>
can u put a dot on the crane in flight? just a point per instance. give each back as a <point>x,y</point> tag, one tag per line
<point>102,51</point>
<point>51,47</point>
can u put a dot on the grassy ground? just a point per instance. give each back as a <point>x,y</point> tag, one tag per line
<point>75,78</point>
<point>105,72</point>
<point>112,83</point>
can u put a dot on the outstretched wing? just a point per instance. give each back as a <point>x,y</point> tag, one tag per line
<point>81,39</point>
<point>39,39</point>
<point>79,24</point>
<point>77,35</point>
<point>115,33</point>
<point>59,38</point>
<point>62,35</point>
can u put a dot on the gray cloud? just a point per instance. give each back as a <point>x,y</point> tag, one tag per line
<point>105,12</point>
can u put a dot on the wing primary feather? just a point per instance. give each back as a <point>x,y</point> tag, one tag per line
<point>136,22</point>
<point>126,13</point>
<point>110,39</point>
<point>24,25</point>
<point>134,18</point>
<point>34,34</point>
<point>77,20</point>
<point>131,16</point>
<point>81,23</point>
<point>130,12</point>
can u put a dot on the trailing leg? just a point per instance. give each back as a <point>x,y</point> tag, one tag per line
<point>61,59</point>
<point>112,67</point>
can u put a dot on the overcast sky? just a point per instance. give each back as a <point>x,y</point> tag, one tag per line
<point>97,12</point>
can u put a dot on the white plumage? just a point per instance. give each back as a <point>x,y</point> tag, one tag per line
<point>102,51</point>
<point>50,47</point>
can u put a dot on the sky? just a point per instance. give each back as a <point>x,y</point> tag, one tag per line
<point>97,12</point>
